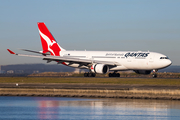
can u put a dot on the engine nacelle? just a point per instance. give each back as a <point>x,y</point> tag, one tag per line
<point>145,72</point>
<point>99,68</point>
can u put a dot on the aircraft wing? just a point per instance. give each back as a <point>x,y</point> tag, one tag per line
<point>61,59</point>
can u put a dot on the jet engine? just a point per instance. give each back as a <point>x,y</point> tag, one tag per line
<point>145,72</point>
<point>99,68</point>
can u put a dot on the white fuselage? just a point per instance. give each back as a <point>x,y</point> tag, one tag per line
<point>126,60</point>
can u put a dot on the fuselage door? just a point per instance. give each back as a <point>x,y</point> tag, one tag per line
<point>151,58</point>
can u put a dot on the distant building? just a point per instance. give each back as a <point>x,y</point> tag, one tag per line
<point>2,71</point>
<point>10,72</point>
<point>19,71</point>
<point>36,71</point>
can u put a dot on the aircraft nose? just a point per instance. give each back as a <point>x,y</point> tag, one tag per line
<point>168,62</point>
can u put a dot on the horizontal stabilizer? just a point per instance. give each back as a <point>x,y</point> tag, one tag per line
<point>31,51</point>
<point>47,53</point>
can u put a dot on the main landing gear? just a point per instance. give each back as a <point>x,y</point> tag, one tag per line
<point>114,74</point>
<point>155,73</point>
<point>89,74</point>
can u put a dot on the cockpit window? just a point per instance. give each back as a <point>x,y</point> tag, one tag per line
<point>164,58</point>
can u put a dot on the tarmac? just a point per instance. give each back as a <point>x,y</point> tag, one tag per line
<point>89,86</point>
<point>161,92</point>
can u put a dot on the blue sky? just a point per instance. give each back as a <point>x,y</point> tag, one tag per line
<point>113,25</point>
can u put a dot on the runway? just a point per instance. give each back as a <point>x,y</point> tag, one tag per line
<point>89,86</point>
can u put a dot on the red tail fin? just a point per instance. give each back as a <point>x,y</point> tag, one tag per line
<point>49,44</point>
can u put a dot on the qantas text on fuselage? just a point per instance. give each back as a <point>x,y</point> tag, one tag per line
<point>98,61</point>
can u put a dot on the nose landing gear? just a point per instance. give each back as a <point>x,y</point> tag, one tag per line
<point>155,73</point>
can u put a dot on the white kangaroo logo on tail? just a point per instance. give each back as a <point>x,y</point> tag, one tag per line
<point>48,41</point>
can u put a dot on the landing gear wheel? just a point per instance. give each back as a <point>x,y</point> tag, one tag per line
<point>154,75</point>
<point>110,74</point>
<point>93,75</point>
<point>114,74</point>
<point>89,75</point>
<point>85,74</point>
<point>117,75</point>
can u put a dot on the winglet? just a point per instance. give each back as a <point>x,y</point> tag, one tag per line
<point>10,51</point>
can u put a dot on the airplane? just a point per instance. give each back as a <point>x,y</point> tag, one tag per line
<point>98,62</point>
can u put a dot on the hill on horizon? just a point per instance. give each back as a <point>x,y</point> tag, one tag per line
<point>32,68</point>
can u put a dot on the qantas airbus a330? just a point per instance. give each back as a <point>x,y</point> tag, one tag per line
<point>98,61</point>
